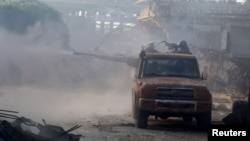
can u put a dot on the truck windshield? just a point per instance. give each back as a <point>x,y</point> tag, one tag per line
<point>171,67</point>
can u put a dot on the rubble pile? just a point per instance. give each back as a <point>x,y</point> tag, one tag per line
<point>25,129</point>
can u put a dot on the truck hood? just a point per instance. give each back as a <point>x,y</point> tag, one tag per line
<point>172,81</point>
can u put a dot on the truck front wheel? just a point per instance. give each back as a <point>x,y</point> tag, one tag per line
<point>204,120</point>
<point>141,119</point>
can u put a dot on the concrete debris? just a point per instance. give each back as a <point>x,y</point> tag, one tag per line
<point>24,129</point>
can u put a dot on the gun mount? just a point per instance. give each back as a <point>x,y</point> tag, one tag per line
<point>154,47</point>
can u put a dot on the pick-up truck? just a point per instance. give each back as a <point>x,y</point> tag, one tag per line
<point>167,84</point>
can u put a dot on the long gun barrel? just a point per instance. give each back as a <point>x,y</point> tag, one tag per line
<point>130,61</point>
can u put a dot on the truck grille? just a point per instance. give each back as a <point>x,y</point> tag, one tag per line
<point>175,93</point>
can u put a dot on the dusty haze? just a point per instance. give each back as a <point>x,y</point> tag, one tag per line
<point>43,80</point>
<point>40,78</point>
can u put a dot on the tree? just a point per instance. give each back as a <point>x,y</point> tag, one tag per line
<point>17,17</point>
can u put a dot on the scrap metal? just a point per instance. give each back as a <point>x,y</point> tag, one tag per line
<point>24,129</point>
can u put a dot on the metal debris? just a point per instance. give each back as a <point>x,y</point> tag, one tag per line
<point>25,129</point>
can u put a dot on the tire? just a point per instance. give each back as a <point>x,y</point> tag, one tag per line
<point>204,120</point>
<point>141,119</point>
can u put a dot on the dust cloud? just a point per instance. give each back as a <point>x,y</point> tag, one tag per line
<point>41,79</point>
<point>56,105</point>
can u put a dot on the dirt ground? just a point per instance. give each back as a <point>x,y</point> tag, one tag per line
<point>102,117</point>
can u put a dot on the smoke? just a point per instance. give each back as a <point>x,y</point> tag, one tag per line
<point>40,78</point>
<point>57,105</point>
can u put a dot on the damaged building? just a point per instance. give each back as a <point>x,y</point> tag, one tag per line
<point>217,32</point>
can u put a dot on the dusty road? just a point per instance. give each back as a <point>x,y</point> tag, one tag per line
<point>103,117</point>
<point>121,128</point>
<point>68,90</point>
